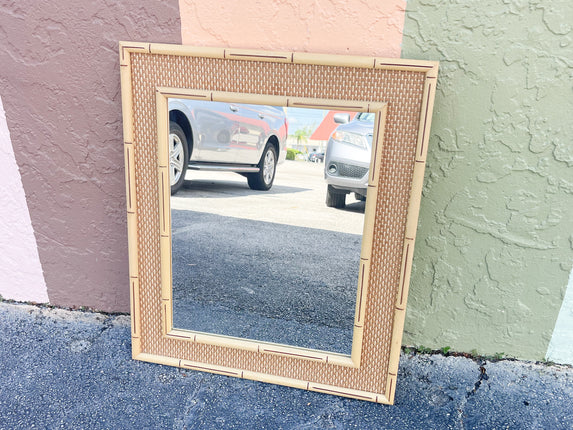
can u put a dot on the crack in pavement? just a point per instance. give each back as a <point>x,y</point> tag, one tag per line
<point>483,376</point>
<point>193,403</point>
<point>107,324</point>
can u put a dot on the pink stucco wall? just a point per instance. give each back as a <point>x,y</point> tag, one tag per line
<point>59,82</point>
<point>324,26</point>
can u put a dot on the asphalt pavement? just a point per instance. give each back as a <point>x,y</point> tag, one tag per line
<point>262,263</point>
<point>73,370</point>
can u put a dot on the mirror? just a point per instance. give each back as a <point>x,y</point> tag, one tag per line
<point>276,265</point>
<point>255,280</point>
<point>399,93</point>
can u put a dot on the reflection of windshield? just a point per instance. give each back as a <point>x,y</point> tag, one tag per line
<point>366,116</point>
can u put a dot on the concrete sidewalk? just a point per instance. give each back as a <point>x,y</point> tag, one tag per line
<point>71,369</point>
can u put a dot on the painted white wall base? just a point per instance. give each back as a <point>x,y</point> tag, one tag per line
<point>21,276</point>
<point>560,348</point>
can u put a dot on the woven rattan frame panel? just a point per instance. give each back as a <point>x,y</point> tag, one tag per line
<point>406,87</point>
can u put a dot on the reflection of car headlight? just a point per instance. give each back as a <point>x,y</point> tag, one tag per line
<point>350,138</point>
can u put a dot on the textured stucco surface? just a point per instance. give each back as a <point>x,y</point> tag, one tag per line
<point>59,81</point>
<point>495,238</point>
<point>367,27</point>
<point>21,276</point>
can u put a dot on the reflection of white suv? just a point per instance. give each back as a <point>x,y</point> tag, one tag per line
<point>347,158</point>
<point>233,137</point>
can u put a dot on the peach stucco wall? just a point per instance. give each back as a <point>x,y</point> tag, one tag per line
<point>324,26</point>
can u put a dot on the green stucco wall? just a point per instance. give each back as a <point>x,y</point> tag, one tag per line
<point>495,239</point>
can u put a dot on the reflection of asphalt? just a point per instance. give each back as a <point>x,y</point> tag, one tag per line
<point>214,318</point>
<point>304,298</point>
<point>298,197</point>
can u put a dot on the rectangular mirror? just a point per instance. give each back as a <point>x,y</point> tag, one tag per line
<point>264,256</point>
<point>247,265</point>
<point>279,262</point>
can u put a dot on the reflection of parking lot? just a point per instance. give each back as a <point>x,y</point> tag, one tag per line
<point>277,266</point>
<point>297,198</point>
<point>272,282</point>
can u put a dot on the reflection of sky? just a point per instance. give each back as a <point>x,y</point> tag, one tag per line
<point>299,118</point>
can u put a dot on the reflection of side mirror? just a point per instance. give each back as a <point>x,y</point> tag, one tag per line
<point>341,118</point>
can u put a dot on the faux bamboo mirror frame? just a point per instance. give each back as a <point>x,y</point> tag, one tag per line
<point>399,92</point>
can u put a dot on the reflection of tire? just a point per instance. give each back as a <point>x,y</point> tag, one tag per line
<point>335,199</point>
<point>263,179</point>
<point>178,156</point>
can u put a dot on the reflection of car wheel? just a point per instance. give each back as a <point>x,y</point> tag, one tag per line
<point>335,199</point>
<point>263,179</point>
<point>178,156</point>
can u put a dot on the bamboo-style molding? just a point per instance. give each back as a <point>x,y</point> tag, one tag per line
<point>411,226</point>
<point>164,212</point>
<point>428,68</point>
<point>368,234</point>
<point>131,199</point>
<point>262,377</point>
<point>377,147</point>
<point>424,66</point>
<point>135,316</point>
<point>259,347</point>
<point>163,93</point>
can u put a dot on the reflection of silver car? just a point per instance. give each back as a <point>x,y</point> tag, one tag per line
<point>232,137</point>
<point>348,158</point>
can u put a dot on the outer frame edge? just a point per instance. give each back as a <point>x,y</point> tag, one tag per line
<point>262,377</point>
<point>411,226</point>
<point>431,72</point>
<point>283,56</point>
<point>131,196</point>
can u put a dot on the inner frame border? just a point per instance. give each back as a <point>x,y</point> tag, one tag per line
<point>352,360</point>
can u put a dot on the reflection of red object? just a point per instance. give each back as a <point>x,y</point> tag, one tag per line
<point>327,126</point>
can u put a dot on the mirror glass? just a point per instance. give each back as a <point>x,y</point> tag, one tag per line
<point>264,253</point>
